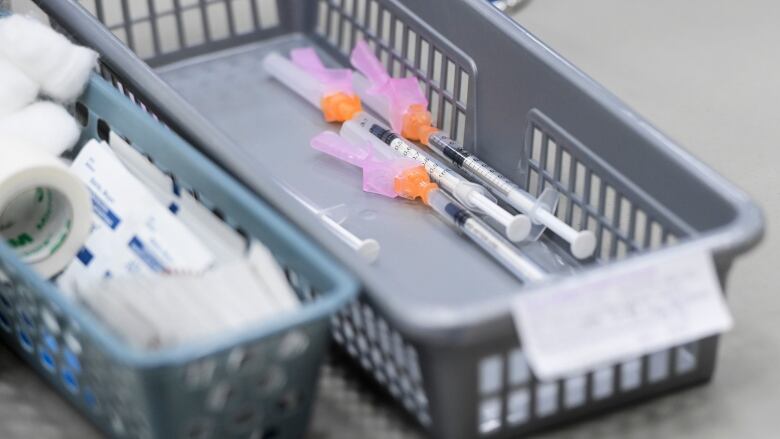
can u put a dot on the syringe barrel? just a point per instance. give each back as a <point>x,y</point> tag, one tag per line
<point>479,202</point>
<point>345,235</point>
<point>359,130</point>
<point>482,172</point>
<point>582,243</point>
<point>500,185</point>
<point>485,237</point>
<point>364,127</point>
<point>294,78</point>
<point>368,249</point>
<point>438,201</point>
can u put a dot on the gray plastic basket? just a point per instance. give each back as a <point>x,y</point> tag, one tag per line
<point>436,334</point>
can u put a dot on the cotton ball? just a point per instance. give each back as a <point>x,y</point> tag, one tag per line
<point>44,125</point>
<point>16,89</point>
<point>72,80</point>
<point>61,68</point>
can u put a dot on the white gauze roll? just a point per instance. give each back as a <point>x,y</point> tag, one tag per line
<point>60,67</point>
<point>16,89</point>
<point>45,209</point>
<point>45,126</point>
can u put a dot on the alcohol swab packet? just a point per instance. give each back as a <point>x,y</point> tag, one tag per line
<point>222,240</point>
<point>132,232</point>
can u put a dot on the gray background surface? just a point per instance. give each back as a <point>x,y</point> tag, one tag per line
<point>706,73</point>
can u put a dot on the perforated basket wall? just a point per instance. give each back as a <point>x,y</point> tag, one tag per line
<point>260,382</point>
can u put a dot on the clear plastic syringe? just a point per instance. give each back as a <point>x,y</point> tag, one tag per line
<point>471,195</point>
<point>582,243</point>
<point>484,236</point>
<point>394,177</point>
<point>402,103</point>
<point>330,90</point>
<point>368,249</point>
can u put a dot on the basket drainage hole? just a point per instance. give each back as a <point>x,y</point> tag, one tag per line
<point>82,114</point>
<point>89,398</point>
<point>238,359</point>
<point>271,433</point>
<point>70,381</point>
<point>47,360</point>
<point>25,340</point>
<point>72,360</point>
<point>273,380</point>
<point>27,319</point>
<point>103,130</point>
<point>220,396</point>
<point>51,343</point>
<point>294,344</point>
<point>4,322</point>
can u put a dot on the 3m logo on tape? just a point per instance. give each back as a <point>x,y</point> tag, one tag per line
<point>21,240</point>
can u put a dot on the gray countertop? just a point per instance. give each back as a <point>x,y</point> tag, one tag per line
<point>705,72</point>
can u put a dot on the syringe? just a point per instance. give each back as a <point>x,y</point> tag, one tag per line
<point>484,236</point>
<point>400,101</point>
<point>471,195</point>
<point>368,249</point>
<point>403,177</point>
<point>327,89</point>
<point>306,77</point>
<point>582,243</point>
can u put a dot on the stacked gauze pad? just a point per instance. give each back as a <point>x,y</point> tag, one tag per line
<point>44,208</point>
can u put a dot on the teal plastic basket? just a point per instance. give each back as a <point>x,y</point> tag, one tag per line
<point>255,383</point>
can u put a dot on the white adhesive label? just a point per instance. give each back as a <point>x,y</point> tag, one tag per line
<point>621,312</point>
